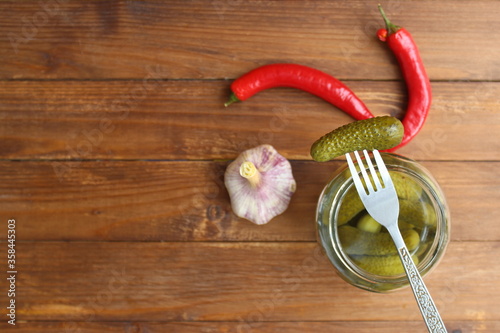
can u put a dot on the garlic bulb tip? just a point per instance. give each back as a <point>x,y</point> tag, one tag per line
<point>250,172</point>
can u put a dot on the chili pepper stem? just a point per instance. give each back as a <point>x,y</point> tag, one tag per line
<point>250,172</point>
<point>391,28</point>
<point>232,99</point>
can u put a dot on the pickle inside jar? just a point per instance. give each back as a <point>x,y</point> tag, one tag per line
<point>371,248</point>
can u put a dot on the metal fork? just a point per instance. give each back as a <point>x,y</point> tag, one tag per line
<point>381,201</point>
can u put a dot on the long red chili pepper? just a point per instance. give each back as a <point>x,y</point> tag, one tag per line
<point>418,85</point>
<point>332,90</point>
<point>301,77</point>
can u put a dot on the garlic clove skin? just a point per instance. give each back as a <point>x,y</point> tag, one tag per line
<point>260,184</point>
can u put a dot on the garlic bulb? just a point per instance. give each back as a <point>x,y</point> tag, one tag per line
<point>260,184</point>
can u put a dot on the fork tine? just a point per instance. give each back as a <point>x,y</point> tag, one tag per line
<point>368,183</point>
<point>375,178</point>
<point>384,173</point>
<point>354,173</point>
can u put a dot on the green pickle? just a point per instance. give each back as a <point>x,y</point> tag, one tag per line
<point>368,224</point>
<point>359,242</point>
<point>370,247</point>
<point>382,265</point>
<point>417,213</point>
<point>380,133</point>
<point>351,207</point>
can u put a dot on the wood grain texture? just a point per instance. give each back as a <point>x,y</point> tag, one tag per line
<point>151,119</point>
<point>224,39</point>
<point>186,281</point>
<point>187,201</point>
<point>114,141</point>
<point>242,326</point>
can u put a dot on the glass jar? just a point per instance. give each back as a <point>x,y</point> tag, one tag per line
<point>423,211</point>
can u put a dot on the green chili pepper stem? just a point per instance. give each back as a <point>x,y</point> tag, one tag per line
<point>232,99</point>
<point>391,28</point>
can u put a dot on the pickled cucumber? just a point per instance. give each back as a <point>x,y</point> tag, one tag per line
<point>367,223</point>
<point>374,133</point>
<point>419,213</point>
<point>403,225</point>
<point>358,242</point>
<point>351,206</point>
<point>382,265</point>
<point>406,187</point>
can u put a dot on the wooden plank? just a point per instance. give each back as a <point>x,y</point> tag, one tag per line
<point>468,192</point>
<point>254,282</point>
<point>187,201</point>
<point>221,39</point>
<point>154,119</point>
<point>114,140</point>
<point>237,327</point>
<point>143,201</point>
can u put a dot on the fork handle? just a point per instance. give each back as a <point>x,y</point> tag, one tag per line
<point>424,300</point>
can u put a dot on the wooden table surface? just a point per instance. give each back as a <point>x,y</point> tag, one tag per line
<point>114,142</point>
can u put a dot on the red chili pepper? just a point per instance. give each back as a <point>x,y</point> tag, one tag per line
<point>301,77</point>
<point>418,85</point>
<point>332,90</point>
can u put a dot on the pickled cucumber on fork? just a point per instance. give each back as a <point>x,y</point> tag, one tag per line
<point>380,133</point>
